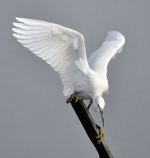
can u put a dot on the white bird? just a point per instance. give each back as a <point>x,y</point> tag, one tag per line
<point>64,49</point>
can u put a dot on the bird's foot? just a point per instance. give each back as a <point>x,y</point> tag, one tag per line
<point>72,97</point>
<point>100,136</point>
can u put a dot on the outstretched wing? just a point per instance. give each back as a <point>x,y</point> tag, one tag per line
<point>57,45</point>
<point>98,61</point>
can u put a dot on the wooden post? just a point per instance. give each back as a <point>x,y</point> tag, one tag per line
<point>91,128</point>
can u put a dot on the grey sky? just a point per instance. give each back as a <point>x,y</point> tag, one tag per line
<point>35,121</point>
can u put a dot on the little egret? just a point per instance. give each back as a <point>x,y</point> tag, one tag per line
<point>64,49</point>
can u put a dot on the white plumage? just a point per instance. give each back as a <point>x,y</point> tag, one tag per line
<point>64,50</point>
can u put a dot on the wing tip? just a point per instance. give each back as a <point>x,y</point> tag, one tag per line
<point>22,20</point>
<point>15,24</point>
<point>115,35</point>
<point>18,18</point>
<point>15,35</point>
<point>14,29</point>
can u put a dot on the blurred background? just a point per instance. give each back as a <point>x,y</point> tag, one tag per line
<point>35,121</point>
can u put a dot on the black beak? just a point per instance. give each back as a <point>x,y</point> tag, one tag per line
<point>102,117</point>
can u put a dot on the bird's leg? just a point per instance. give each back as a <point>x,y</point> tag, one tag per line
<point>100,136</point>
<point>73,96</point>
<point>90,103</point>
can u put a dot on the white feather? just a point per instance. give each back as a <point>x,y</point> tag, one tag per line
<point>54,43</point>
<point>64,50</point>
<point>113,44</point>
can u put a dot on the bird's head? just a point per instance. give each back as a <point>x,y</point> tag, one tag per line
<point>100,102</point>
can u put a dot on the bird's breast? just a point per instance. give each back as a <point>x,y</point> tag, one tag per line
<point>98,83</point>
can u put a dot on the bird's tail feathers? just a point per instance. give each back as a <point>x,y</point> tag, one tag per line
<point>83,66</point>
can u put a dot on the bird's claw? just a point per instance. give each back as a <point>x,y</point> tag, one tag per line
<point>71,98</point>
<point>100,136</point>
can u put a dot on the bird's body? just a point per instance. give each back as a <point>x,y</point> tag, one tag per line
<point>91,84</point>
<point>64,50</point>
